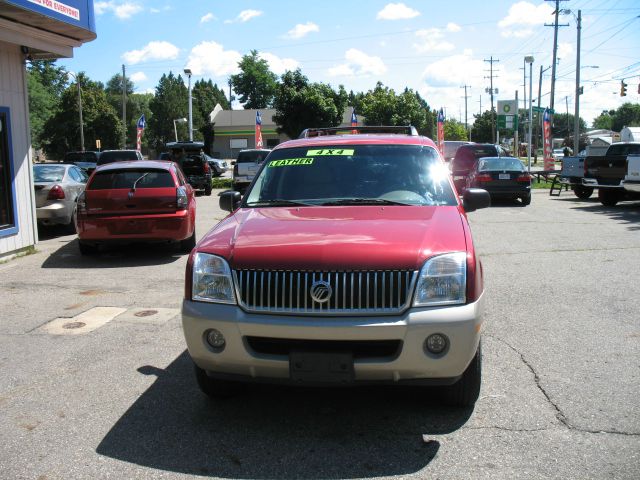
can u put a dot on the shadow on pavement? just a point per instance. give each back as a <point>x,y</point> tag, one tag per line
<point>269,432</point>
<point>626,212</point>
<point>134,255</point>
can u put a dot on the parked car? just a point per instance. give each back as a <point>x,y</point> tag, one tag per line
<point>558,153</point>
<point>349,260</point>
<point>606,173</point>
<point>137,201</point>
<point>466,158</point>
<point>87,160</point>
<point>451,147</point>
<point>57,188</point>
<point>110,156</point>
<point>247,164</point>
<point>194,164</point>
<point>502,177</point>
<point>218,166</point>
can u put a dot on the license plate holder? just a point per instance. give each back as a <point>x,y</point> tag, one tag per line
<point>504,176</point>
<point>321,367</point>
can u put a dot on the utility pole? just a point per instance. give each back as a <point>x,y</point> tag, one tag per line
<point>516,140</point>
<point>576,114</point>
<point>124,107</point>
<point>491,91</point>
<point>466,118</point>
<point>555,49</point>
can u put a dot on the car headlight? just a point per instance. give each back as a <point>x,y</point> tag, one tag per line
<point>442,281</point>
<point>212,280</point>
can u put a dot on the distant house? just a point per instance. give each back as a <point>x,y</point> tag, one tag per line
<point>630,134</point>
<point>29,29</point>
<point>235,130</point>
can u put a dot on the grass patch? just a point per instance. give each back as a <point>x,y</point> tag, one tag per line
<point>543,184</point>
<point>221,182</point>
<point>22,253</point>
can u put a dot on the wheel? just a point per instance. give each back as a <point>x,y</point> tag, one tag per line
<point>187,244</point>
<point>215,388</point>
<point>207,190</point>
<point>86,249</point>
<point>466,390</point>
<point>582,192</point>
<point>608,197</point>
<point>526,200</point>
<point>71,226</point>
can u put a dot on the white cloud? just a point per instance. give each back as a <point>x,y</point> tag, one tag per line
<point>453,27</point>
<point>211,58</point>
<point>245,16</point>
<point>455,70</point>
<point>358,64</point>
<point>524,14</point>
<point>279,65</point>
<point>123,10</point>
<point>397,11</point>
<point>152,51</point>
<point>431,40</point>
<point>138,77</point>
<point>207,18</point>
<point>566,51</point>
<point>301,30</point>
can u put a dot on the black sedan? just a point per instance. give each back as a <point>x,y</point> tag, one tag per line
<point>502,177</point>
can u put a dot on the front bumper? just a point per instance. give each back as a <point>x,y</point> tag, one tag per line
<point>461,324</point>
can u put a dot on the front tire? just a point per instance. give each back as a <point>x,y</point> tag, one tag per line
<point>215,388</point>
<point>582,192</point>
<point>465,392</point>
<point>608,197</point>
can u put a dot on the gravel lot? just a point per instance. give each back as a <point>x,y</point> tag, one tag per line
<point>560,389</point>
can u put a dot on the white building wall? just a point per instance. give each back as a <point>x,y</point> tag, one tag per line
<point>14,96</point>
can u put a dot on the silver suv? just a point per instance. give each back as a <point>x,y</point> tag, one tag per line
<point>247,164</point>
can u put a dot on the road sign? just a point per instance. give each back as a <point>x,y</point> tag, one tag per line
<point>98,144</point>
<point>507,107</point>
<point>508,121</point>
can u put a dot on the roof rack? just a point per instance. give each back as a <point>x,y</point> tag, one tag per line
<point>396,130</point>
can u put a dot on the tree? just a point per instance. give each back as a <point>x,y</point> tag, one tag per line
<point>627,115</point>
<point>300,104</point>
<point>255,83</point>
<point>481,130</point>
<point>604,120</point>
<point>170,102</point>
<point>563,125</point>
<point>113,90</point>
<point>454,130</point>
<point>100,120</point>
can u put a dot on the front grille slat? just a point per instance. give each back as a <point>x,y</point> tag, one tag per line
<point>377,292</point>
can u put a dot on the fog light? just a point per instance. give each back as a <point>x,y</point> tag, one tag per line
<point>215,338</point>
<point>436,343</point>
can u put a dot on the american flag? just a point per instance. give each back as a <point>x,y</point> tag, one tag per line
<point>258,130</point>
<point>354,120</point>
<point>441,132</point>
<point>142,124</point>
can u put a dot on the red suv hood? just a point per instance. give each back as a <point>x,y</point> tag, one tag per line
<point>336,238</point>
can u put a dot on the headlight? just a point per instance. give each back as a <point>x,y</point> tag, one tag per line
<point>442,281</point>
<point>212,280</point>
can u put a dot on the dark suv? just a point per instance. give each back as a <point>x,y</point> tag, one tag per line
<point>195,166</point>
<point>110,156</point>
<point>86,160</point>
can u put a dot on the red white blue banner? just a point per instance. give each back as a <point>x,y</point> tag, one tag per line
<point>441,132</point>
<point>354,120</point>
<point>549,163</point>
<point>141,125</point>
<point>258,131</point>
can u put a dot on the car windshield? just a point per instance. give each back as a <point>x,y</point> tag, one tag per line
<point>353,175</point>
<point>125,178</point>
<point>501,163</point>
<point>48,173</point>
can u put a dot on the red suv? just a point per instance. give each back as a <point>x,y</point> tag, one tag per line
<point>138,201</point>
<point>349,260</point>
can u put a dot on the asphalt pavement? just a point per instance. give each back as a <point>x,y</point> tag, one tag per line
<point>95,381</point>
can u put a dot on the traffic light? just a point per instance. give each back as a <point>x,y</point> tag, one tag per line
<point>623,88</point>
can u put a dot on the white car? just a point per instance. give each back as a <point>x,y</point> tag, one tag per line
<point>558,154</point>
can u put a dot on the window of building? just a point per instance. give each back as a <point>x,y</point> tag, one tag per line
<point>7,200</point>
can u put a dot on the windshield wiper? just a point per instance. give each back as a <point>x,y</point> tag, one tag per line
<point>364,201</point>
<point>279,202</point>
<point>135,184</point>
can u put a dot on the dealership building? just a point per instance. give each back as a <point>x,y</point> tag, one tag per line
<point>29,29</point>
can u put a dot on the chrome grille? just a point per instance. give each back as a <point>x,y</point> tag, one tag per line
<point>377,292</point>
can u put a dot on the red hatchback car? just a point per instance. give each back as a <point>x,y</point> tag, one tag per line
<point>348,261</point>
<point>136,201</point>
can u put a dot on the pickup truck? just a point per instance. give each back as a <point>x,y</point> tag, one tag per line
<point>607,172</point>
<point>631,182</point>
<point>572,174</point>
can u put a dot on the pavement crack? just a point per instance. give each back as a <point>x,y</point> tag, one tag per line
<point>508,429</point>
<point>558,412</point>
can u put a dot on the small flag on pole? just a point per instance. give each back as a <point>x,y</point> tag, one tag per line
<point>258,131</point>
<point>354,120</point>
<point>441,132</point>
<point>141,125</point>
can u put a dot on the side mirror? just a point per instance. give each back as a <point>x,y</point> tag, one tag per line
<point>230,200</point>
<point>475,198</point>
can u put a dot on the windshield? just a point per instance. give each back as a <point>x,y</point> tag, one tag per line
<point>501,163</point>
<point>353,174</point>
<point>48,173</point>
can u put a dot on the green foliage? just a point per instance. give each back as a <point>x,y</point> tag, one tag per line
<point>382,106</point>
<point>300,104</point>
<point>563,127</point>
<point>481,129</point>
<point>170,102</point>
<point>205,96</point>
<point>627,115</point>
<point>454,130</point>
<point>255,83</point>
<point>100,121</point>
<point>604,120</point>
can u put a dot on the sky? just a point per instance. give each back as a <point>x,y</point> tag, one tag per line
<point>432,47</point>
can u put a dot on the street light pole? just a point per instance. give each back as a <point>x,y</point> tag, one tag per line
<point>175,129</point>
<point>576,115</point>
<point>187,71</point>
<point>79,109</point>
<point>529,59</point>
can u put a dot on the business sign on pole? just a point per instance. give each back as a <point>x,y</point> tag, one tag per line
<point>74,12</point>
<point>507,107</point>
